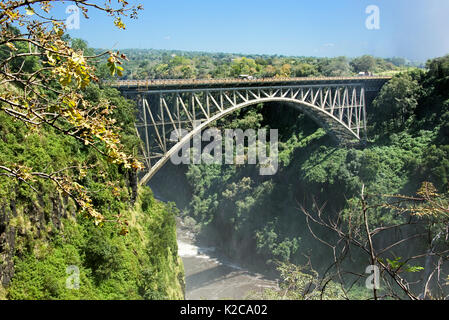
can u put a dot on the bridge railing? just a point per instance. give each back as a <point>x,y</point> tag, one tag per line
<point>193,82</point>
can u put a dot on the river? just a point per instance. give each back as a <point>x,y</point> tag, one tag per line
<point>209,275</point>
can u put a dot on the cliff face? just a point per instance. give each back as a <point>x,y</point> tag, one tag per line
<point>20,221</point>
<point>7,245</point>
<point>45,244</point>
<point>39,245</point>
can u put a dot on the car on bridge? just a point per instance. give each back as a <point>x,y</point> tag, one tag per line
<point>246,77</point>
<point>366,74</point>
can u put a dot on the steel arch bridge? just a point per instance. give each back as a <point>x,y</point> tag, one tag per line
<point>337,104</point>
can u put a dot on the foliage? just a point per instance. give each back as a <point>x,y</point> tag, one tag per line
<point>243,66</point>
<point>163,64</point>
<point>42,79</point>
<point>49,237</point>
<point>396,103</point>
<point>130,254</point>
<point>363,64</point>
<point>334,67</point>
<point>396,264</point>
<point>301,283</point>
<point>142,265</point>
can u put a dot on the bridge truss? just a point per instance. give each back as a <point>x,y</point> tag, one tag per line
<point>339,108</point>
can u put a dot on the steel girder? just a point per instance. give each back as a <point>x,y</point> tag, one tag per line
<point>341,108</point>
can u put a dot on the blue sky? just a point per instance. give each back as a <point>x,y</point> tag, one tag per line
<point>415,29</point>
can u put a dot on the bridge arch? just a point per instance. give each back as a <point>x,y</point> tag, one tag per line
<point>336,103</point>
<point>322,113</point>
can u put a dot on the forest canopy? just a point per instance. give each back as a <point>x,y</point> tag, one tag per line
<point>165,64</point>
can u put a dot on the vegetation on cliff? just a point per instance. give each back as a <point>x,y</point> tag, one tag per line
<point>73,223</point>
<point>42,234</point>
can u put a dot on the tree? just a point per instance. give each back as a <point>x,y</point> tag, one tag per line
<point>396,102</point>
<point>285,71</point>
<point>42,78</point>
<point>335,67</point>
<point>397,61</point>
<point>425,222</point>
<point>244,66</point>
<point>365,63</point>
<point>182,68</point>
<point>269,71</point>
<point>300,283</point>
<point>304,70</point>
<point>439,72</point>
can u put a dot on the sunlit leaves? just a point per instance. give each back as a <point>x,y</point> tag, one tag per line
<point>427,202</point>
<point>29,11</point>
<point>301,283</point>
<point>49,91</point>
<point>11,46</point>
<point>114,62</point>
<point>119,23</point>
<point>397,265</point>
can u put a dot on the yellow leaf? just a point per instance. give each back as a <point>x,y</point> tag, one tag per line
<point>11,46</point>
<point>29,11</point>
<point>119,23</point>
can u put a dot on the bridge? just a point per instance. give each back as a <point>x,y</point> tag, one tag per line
<point>338,104</point>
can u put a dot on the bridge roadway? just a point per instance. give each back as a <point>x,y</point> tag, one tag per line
<point>372,83</point>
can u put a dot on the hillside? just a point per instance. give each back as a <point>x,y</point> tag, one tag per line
<point>132,255</point>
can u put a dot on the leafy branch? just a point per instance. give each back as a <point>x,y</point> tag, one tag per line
<point>42,79</point>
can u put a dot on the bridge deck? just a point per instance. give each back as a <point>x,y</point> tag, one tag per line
<point>165,106</point>
<point>217,83</point>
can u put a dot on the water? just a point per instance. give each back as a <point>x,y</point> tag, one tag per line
<point>210,276</point>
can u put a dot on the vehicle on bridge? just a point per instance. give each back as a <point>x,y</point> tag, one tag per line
<point>246,76</point>
<point>366,74</point>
